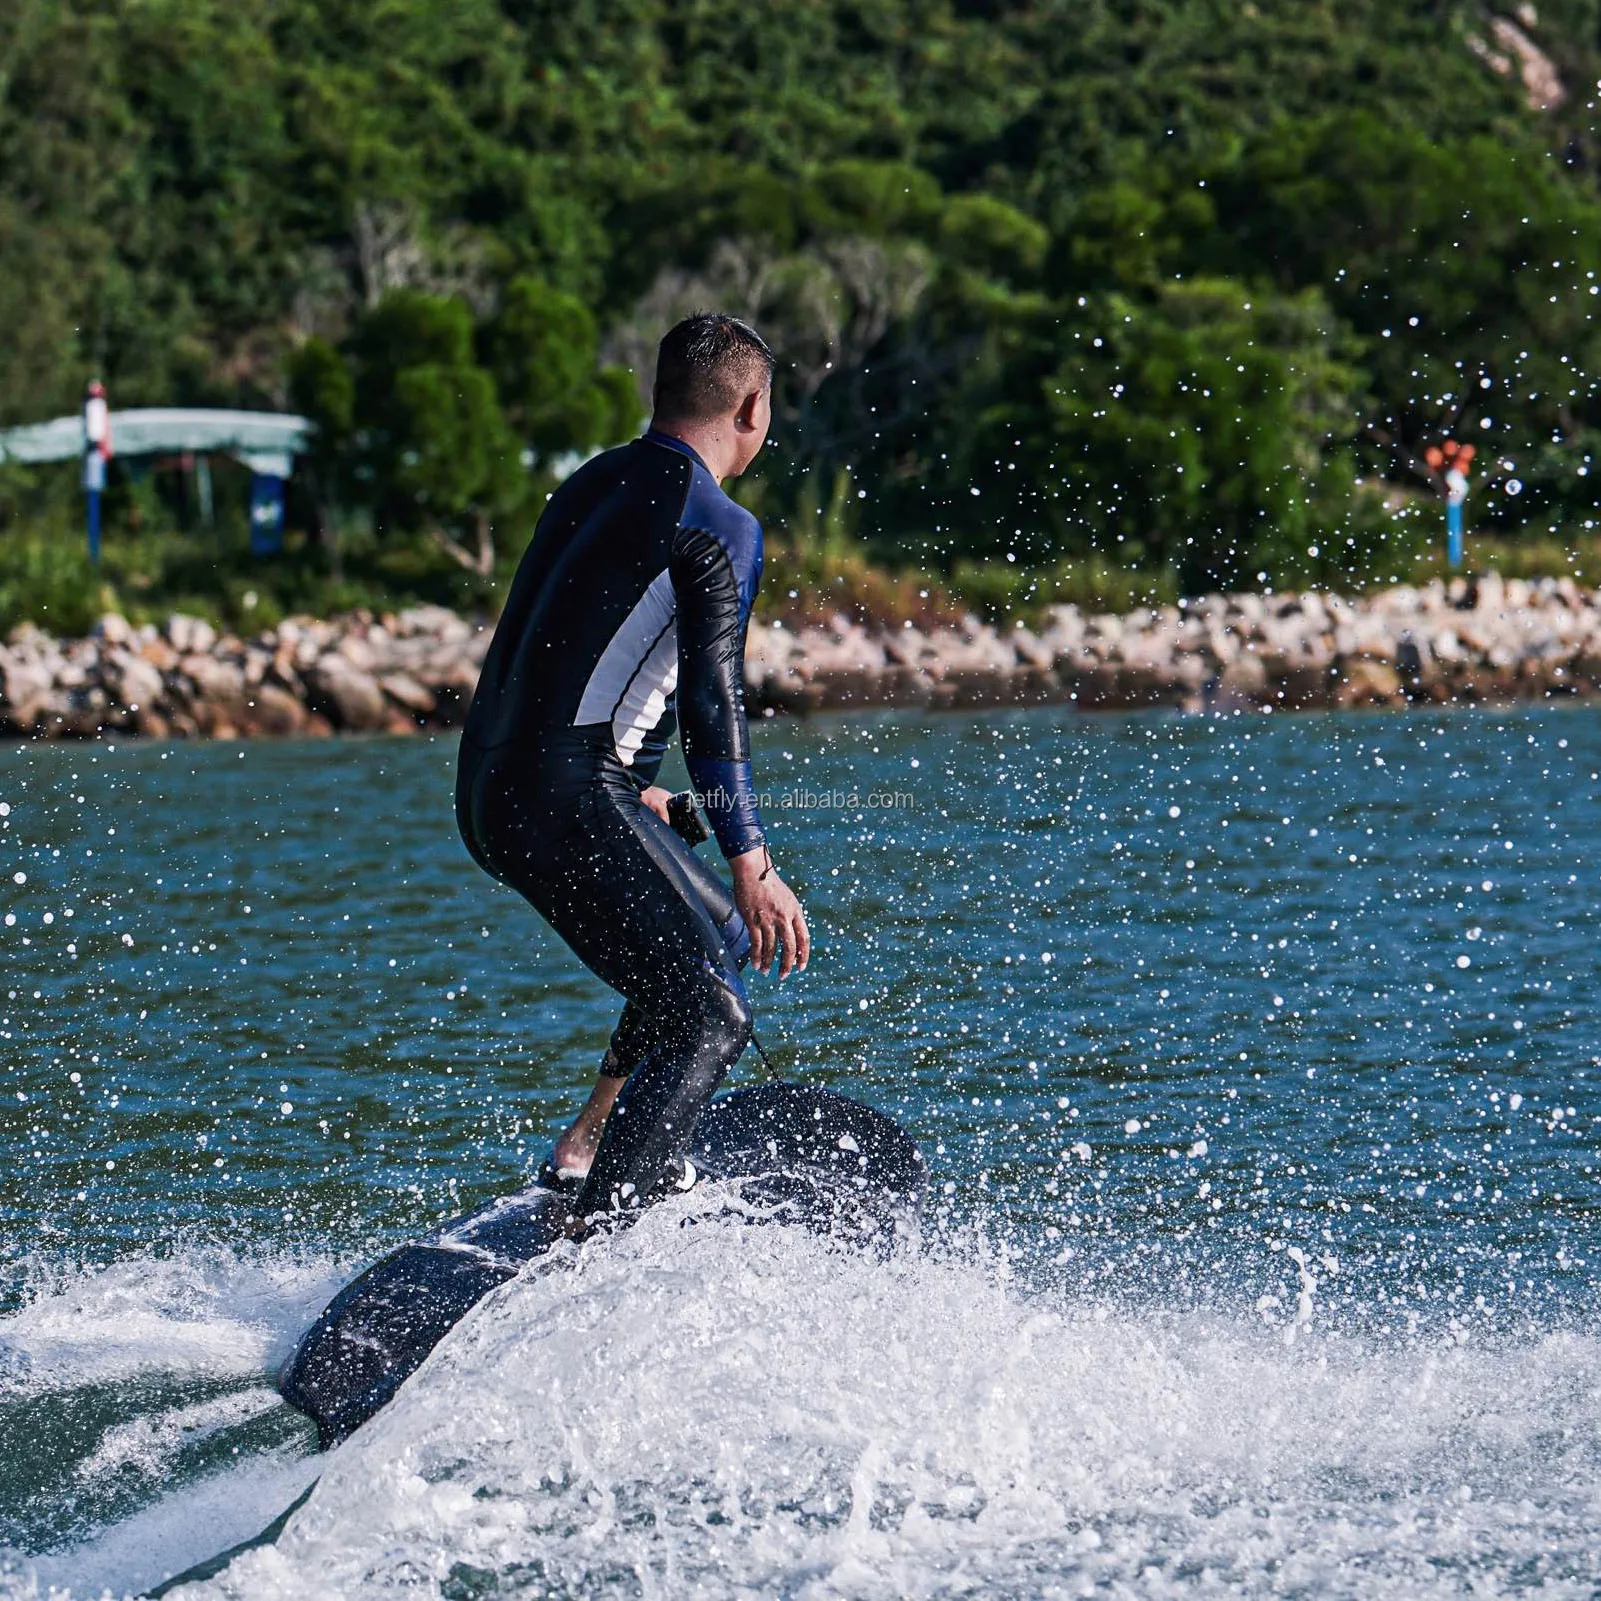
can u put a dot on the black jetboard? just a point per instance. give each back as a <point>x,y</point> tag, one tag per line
<point>212,1566</point>
<point>797,1154</point>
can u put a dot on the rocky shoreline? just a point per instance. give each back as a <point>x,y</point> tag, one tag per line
<point>1481,640</point>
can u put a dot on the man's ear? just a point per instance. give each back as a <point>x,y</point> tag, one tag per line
<point>745,417</point>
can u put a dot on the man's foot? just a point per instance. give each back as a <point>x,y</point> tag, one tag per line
<point>551,1177</point>
<point>574,1152</point>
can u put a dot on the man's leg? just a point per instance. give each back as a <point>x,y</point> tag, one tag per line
<point>625,899</point>
<point>646,1139</point>
<point>574,1152</point>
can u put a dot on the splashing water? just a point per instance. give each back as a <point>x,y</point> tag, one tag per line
<point>728,1412</point>
<point>1252,1058</point>
<point>119,1384</point>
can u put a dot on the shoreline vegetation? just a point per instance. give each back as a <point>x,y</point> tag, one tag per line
<point>1187,295</point>
<point>1475,640</point>
<point>1080,309</point>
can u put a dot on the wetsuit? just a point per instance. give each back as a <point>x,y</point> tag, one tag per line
<point>628,612</point>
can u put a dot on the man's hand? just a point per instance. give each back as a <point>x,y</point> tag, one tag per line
<point>771,913</point>
<point>656,798</point>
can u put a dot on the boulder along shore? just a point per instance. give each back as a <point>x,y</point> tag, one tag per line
<point>1473,640</point>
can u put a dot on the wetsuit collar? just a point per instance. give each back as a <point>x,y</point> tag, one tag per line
<point>673,442</point>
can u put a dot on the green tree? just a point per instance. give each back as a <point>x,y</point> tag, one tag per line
<point>1467,271</point>
<point>1198,425</point>
<point>322,389</point>
<point>435,451</point>
<point>984,234</point>
<point>540,348</point>
<point>916,195</point>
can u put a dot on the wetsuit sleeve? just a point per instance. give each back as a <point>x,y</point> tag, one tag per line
<point>715,573</point>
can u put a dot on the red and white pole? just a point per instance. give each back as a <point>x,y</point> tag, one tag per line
<point>96,453</point>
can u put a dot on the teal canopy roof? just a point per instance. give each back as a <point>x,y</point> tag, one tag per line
<point>265,441</point>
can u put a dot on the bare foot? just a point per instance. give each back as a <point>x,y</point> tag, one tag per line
<point>575,1150</point>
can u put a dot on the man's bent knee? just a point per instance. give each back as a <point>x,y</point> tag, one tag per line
<point>728,1014</point>
<point>718,1024</point>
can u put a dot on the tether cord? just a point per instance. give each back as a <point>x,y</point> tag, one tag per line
<point>767,1063</point>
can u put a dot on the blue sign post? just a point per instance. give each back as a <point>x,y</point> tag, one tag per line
<point>266,514</point>
<point>94,483</point>
<point>1451,462</point>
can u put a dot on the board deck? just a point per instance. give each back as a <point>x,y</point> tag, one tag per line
<point>800,1155</point>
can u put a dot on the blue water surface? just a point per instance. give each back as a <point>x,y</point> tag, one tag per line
<point>1165,1000</point>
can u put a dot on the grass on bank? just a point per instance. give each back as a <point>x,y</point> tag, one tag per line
<point>46,579</point>
<point>809,588</point>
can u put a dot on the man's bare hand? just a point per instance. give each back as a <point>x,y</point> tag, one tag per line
<point>772,914</point>
<point>656,798</point>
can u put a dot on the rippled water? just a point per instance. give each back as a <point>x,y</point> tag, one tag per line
<point>1254,1058</point>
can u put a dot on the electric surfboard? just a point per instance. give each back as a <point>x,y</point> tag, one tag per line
<point>791,1153</point>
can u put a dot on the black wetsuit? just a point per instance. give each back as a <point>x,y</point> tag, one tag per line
<point>629,608</point>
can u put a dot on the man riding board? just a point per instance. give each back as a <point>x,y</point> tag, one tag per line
<point>628,615</point>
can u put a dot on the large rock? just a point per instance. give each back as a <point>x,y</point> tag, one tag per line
<point>349,698</point>
<point>408,694</point>
<point>907,647</point>
<point>359,651</point>
<point>843,647</point>
<point>453,685</point>
<point>131,680</point>
<point>432,622</point>
<point>218,683</point>
<point>26,685</point>
<point>1366,682</point>
<point>155,650</point>
<point>114,629</point>
<point>270,709</point>
<point>190,636</point>
<point>1089,683</point>
<point>1031,650</point>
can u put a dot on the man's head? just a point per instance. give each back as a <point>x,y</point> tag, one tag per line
<point>714,378</point>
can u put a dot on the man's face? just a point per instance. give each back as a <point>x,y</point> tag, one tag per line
<point>754,418</point>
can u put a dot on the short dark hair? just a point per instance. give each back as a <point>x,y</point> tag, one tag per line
<point>707,364</point>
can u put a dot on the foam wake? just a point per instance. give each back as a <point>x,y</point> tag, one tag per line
<point>139,1431</point>
<point>734,1412</point>
<point>206,1310</point>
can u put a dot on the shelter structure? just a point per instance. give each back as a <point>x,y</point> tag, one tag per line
<point>265,442</point>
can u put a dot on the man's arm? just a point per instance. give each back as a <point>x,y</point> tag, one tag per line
<point>714,580</point>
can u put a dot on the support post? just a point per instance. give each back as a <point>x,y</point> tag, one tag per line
<point>203,489</point>
<point>92,524</point>
<point>96,452</point>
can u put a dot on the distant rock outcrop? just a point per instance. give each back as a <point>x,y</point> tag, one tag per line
<point>355,674</point>
<point>1472,640</point>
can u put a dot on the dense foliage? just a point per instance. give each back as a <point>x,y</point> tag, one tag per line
<point>1187,285</point>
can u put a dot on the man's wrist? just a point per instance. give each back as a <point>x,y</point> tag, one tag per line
<point>757,862</point>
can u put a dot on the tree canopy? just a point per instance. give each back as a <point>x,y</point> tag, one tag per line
<point>1191,283</point>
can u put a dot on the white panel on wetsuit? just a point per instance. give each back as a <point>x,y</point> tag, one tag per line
<point>636,672</point>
